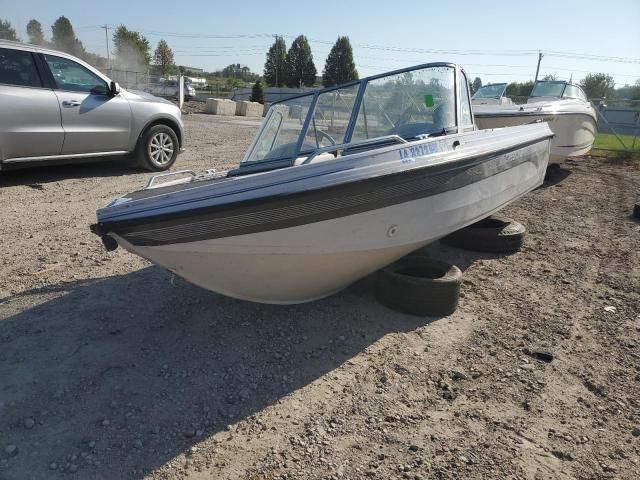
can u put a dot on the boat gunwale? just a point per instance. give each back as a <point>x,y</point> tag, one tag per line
<point>340,166</point>
<point>131,225</point>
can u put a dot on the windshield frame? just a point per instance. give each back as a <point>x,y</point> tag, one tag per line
<point>262,164</point>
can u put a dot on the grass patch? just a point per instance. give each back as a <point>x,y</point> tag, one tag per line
<point>607,141</point>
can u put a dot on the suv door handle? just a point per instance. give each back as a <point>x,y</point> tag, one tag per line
<point>71,103</point>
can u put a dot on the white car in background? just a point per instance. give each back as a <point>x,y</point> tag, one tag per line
<point>169,89</point>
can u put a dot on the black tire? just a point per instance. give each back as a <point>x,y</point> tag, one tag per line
<point>144,154</point>
<point>419,286</point>
<point>493,234</point>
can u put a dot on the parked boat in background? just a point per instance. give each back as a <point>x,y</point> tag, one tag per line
<point>563,105</point>
<point>491,94</point>
<point>337,184</point>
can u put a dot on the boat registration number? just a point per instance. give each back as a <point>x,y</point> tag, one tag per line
<point>409,154</point>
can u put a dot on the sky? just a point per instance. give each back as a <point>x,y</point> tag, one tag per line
<point>495,40</point>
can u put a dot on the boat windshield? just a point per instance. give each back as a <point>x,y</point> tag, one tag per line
<point>495,90</point>
<point>409,103</point>
<point>573,91</point>
<point>548,89</point>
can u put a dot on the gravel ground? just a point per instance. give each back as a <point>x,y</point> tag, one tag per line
<point>112,368</point>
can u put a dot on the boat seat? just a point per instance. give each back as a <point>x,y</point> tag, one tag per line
<point>323,157</point>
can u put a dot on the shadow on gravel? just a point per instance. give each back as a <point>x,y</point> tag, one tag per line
<point>53,173</point>
<point>123,374</point>
<point>559,175</point>
<point>463,259</point>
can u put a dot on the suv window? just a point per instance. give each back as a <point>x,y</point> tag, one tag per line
<point>18,68</point>
<point>73,77</point>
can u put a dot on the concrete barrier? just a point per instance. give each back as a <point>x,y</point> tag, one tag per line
<point>267,106</point>
<point>220,106</point>
<point>248,109</point>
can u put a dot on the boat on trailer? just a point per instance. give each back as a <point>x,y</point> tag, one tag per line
<point>336,184</point>
<point>563,105</point>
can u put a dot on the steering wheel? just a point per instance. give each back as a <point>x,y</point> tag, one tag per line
<point>406,114</point>
<point>322,134</point>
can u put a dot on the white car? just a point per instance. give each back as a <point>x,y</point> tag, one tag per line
<point>169,89</point>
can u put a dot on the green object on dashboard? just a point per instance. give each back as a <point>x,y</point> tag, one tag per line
<point>428,100</point>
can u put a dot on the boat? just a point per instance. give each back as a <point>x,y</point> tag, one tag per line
<point>491,94</point>
<point>336,184</point>
<point>563,105</point>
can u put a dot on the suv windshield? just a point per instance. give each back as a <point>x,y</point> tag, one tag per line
<point>548,89</point>
<point>495,90</point>
<point>411,103</point>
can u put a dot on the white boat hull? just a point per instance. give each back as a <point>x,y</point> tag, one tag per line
<point>573,123</point>
<point>574,133</point>
<point>311,261</point>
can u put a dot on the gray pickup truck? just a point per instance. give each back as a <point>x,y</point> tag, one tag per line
<point>57,109</point>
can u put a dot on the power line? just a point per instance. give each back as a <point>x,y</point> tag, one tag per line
<point>479,52</point>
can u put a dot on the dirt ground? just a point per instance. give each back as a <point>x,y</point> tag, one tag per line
<point>112,368</point>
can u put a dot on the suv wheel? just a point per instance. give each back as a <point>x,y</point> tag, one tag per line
<point>157,148</point>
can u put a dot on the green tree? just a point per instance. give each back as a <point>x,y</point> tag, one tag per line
<point>241,72</point>
<point>257,94</point>
<point>34,30</point>
<point>339,67</point>
<point>550,77</point>
<point>7,32</point>
<point>301,70</point>
<point>629,92</point>
<point>477,83</point>
<point>132,49</point>
<point>597,85</point>
<point>163,58</point>
<point>517,89</point>
<point>275,67</point>
<point>64,38</point>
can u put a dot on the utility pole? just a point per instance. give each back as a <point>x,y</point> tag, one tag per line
<point>540,55</point>
<point>106,37</point>
<point>277,61</point>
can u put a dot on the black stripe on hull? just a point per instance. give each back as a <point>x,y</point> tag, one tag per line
<point>310,206</point>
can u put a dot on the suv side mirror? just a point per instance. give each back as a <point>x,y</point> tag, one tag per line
<point>114,88</point>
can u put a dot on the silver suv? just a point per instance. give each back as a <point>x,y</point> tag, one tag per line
<point>56,108</point>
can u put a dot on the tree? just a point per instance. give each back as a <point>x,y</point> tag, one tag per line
<point>550,77</point>
<point>597,85</point>
<point>517,89</point>
<point>34,30</point>
<point>477,83</point>
<point>628,92</point>
<point>7,32</point>
<point>132,49</point>
<point>275,67</point>
<point>241,72</point>
<point>64,38</point>
<point>300,67</point>
<point>339,67</point>
<point>257,94</point>
<point>163,57</point>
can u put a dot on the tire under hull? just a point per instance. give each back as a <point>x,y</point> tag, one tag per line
<point>308,262</point>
